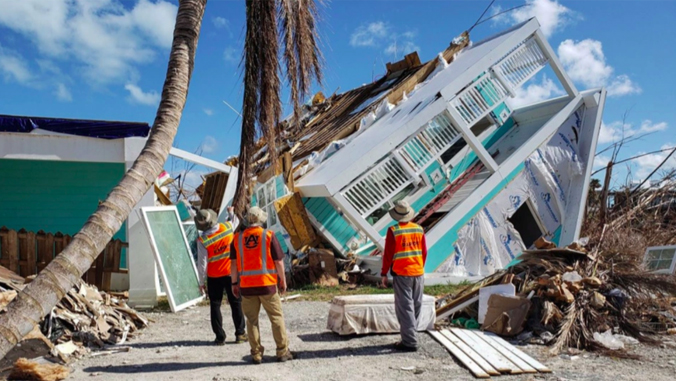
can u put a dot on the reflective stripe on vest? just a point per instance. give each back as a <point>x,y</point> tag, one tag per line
<point>264,257</point>
<point>217,246</point>
<point>407,259</point>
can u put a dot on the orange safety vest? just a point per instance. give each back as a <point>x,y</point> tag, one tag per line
<point>254,260</point>
<point>218,251</point>
<point>408,259</point>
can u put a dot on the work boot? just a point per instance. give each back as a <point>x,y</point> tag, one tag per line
<point>405,348</point>
<point>219,342</point>
<point>285,357</point>
<point>239,339</point>
<point>257,359</point>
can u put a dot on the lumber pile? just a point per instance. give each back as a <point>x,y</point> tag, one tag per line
<point>576,298</point>
<point>85,319</point>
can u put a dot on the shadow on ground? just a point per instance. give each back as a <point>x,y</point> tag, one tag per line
<point>374,350</point>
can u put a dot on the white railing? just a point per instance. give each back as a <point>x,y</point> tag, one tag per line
<point>377,186</point>
<point>428,144</point>
<point>479,99</point>
<point>521,64</point>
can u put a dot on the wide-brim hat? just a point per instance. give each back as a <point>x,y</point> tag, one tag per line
<point>205,219</point>
<point>256,216</point>
<point>402,212</point>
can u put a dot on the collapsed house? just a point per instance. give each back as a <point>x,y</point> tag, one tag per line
<point>486,180</point>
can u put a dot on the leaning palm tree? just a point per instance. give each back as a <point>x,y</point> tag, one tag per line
<point>262,108</point>
<point>55,280</point>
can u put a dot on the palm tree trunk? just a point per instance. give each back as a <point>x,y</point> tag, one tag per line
<point>38,298</point>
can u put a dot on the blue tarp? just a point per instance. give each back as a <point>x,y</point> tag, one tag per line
<point>90,128</point>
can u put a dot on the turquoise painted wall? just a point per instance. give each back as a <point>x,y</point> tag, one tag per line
<point>329,217</point>
<point>55,196</point>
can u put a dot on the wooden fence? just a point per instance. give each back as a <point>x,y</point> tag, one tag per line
<point>27,253</point>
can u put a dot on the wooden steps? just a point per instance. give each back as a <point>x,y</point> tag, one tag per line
<point>486,354</point>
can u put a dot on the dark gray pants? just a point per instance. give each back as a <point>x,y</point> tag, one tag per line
<point>408,296</point>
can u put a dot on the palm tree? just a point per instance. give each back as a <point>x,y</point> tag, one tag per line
<point>38,298</point>
<point>261,106</point>
<point>261,111</point>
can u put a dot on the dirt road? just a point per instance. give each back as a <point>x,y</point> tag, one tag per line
<point>177,347</point>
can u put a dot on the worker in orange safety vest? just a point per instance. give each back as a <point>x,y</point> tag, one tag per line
<point>213,247</point>
<point>258,274</point>
<point>404,257</point>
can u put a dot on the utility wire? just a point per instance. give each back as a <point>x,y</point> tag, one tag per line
<point>482,15</point>
<point>503,12</point>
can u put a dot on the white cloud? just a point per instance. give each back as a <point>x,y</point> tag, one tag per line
<point>585,63</point>
<point>369,34</point>
<point>63,93</point>
<point>623,85</point>
<point>208,111</point>
<point>137,95</point>
<point>535,92</point>
<point>13,67</point>
<point>601,161</point>
<point>648,126</point>
<point>220,22</point>
<point>648,163</point>
<point>231,55</point>
<point>613,132</point>
<point>100,39</point>
<point>378,34</point>
<point>551,15</point>
<point>210,144</point>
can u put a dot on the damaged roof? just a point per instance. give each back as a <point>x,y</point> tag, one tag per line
<point>334,118</point>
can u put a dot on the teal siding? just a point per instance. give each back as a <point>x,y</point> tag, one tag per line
<point>332,221</point>
<point>440,251</point>
<point>279,182</point>
<point>282,241</point>
<point>55,196</point>
<point>556,237</point>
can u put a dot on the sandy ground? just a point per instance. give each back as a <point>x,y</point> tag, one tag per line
<point>177,347</point>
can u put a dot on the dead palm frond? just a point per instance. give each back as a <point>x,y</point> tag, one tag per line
<point>262,106</point>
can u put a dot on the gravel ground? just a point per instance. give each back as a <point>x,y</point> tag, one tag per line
<point>177,347</point>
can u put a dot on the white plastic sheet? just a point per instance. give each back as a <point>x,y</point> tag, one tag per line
<point>364,314</point>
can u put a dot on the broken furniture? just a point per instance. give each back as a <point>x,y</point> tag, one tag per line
<point>364,314</point>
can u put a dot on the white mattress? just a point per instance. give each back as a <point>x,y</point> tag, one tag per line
<point>364,314</point>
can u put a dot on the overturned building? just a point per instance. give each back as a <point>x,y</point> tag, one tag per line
<point>485,179</point>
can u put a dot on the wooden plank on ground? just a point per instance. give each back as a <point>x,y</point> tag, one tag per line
<point>523,356</point>
<point>457,308</point>
<point>504,352</point>
<point>467,361</point>
<point>485,365</point>
<point>494,357</point>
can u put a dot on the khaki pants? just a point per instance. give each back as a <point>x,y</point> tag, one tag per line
<point>251,306</point>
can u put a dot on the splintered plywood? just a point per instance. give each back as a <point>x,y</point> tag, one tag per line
<point>294,219</point>
<point>214,189</point>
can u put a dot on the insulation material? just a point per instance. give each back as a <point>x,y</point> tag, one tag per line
<point>25,369</point>
<point>489,242</point>
<point>364,314</point>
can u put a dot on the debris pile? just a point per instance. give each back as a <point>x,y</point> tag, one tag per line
<point>322,267</point>
<point>576,298</point>
<point>84,319</point>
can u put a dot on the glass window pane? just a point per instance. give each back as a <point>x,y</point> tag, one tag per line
<point>262,200</point>
<point>271,190</point>
<point>668,253</point>
<point>663,265</point>
<point>653,255</point>
<point>272,216</point>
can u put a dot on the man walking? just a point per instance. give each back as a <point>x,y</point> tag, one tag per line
<point>213,257</point>
<point>404,256</point>
<point>259,267</point>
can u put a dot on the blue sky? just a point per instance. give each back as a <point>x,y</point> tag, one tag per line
<point>106,59</point>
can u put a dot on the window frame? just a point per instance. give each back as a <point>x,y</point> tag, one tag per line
<point>668,271</point>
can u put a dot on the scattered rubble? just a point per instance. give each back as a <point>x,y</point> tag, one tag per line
<point>32,370</point>
<point>578,298</point>
<point>85,319</point>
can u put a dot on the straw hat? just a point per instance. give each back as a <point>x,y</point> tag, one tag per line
<point>256,216</point>
<point>402,212</point>
<point>205,219</point>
